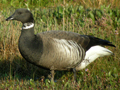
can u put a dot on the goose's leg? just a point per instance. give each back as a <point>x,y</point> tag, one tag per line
<point>52,75</point>
<point>75,76</point>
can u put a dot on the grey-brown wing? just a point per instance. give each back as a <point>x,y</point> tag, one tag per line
<point>82,40</point>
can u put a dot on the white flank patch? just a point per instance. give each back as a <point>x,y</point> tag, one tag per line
<point>92,54</point>
<point>26,26</point>
<point>69,50</point>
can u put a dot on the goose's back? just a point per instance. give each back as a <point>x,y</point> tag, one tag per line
<point>82,40</point>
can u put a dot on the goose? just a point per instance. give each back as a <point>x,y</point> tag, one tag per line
<point>57,50</point>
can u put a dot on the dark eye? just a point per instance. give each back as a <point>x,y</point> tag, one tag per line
<point>19,12</point>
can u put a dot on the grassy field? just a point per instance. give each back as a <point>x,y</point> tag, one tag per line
<point>99,18</point>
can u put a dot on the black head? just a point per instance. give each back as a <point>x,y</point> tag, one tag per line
<point>22,15</point>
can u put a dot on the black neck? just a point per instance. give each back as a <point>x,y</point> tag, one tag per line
<point>28,33</point>
<point>28,42</point>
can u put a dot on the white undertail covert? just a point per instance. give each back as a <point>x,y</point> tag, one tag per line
<point>93,53</point>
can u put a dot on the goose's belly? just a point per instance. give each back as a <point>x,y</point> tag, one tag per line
<point>64,55</point>
<point>61,62</point>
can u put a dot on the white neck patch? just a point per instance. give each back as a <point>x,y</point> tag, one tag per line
<point>11,19</point>
<point>28,25</point>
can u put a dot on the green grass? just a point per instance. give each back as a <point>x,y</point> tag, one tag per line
<point>54,3</point>
<point>102,21</point>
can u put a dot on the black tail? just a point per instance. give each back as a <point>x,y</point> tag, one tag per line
<point>106,43</point>
<point>96,41</point>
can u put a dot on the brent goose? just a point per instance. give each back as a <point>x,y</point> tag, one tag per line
<point>57,50</point>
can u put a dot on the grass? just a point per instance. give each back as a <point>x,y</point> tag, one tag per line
<point>101,20</point>
<point>55,3</point>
